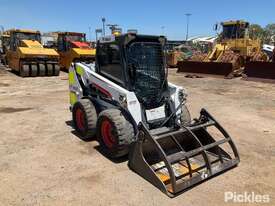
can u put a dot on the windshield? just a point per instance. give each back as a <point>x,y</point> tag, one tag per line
<point>233,32</point>
<point>28,36</point>
<point>147,72</point>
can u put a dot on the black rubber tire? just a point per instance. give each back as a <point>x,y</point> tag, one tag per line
<point>122,131</point>
<point>185,116</point>
<point>49,69</point>
<point>56,70</point>
<point>90,119</point>
<point>42,70</point>
<point>34,70</point>
<point>24,70</point>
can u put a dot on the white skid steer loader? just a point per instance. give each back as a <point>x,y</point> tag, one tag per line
<point>125,100</point>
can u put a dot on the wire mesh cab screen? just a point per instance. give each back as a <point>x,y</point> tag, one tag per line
<point>147,72</point>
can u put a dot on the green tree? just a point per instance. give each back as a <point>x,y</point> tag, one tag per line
<point>269,32</point>
<point>256,31</point>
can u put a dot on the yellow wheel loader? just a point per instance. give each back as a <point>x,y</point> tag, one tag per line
<point>73,47</point>
<point>233,49</point>
<point>27,56</point>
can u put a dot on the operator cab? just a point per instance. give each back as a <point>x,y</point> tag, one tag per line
<point>68,40</point>
<point>17,36</point>
<point>235,29</point>
<point>135,62</point>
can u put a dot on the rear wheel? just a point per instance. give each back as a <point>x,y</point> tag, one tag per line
<point>185,116</point>
<point>56,70</point>
<point>42,70</point>
<point>49,70</point>
<point>34,70</point>
<point>114,133</point>
<point>24,70</point>
<point>84,119</point>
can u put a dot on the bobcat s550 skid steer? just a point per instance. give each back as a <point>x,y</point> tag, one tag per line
<point>126,101</point>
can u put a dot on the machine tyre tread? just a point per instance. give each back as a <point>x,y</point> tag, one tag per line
<point>90,119</point>
<point>56,70</point>
<point>50,69</point>
<point>34,70</point>
<point>122,129</point>
<point>24,70</point>
<point>42,70</point>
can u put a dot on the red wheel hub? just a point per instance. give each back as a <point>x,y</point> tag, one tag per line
<point>106,132</point>
<point>80,121</point>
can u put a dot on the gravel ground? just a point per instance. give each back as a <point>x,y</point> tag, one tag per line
<point>43,163</point>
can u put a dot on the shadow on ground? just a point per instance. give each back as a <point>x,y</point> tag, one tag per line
<point>97,147</point>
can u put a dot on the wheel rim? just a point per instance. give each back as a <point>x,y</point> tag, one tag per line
<point>106,132</point>
<point>80,119</point>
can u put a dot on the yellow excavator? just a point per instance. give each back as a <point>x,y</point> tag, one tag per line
<point>26,55</point>
<point>229,55</point>
<point>73,47</point>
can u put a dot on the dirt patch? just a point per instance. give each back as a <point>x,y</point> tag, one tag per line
<point>2,70</point>
<point>4,85</point>
<point>13,110</point>
<point>43,162</point>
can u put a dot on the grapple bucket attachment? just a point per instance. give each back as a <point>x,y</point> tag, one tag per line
<point>216,68</point>
<point>175,160</point>
<point>263,70</point>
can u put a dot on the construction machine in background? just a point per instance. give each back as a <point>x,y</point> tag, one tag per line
<point>259,70</point>
<point>5,42</point>
<point>234,48</point>
<point>178,53</point>
<point>126,101</point>
<point>73,47</point>
<point>26,55</point>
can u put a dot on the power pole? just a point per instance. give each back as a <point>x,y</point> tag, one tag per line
<point>187,25</point>
<point>103,26</point>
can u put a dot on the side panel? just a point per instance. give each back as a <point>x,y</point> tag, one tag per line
<point>174,93</point>
<point>116,93</point>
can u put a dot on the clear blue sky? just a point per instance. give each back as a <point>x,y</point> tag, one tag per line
<point>145,15</point>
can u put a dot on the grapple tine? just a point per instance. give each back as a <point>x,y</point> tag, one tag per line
<point>181,159</point>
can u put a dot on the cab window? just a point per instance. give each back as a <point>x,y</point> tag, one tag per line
<point>109,62</point>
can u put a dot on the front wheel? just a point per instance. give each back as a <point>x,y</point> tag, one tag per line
<point>114,132</point>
